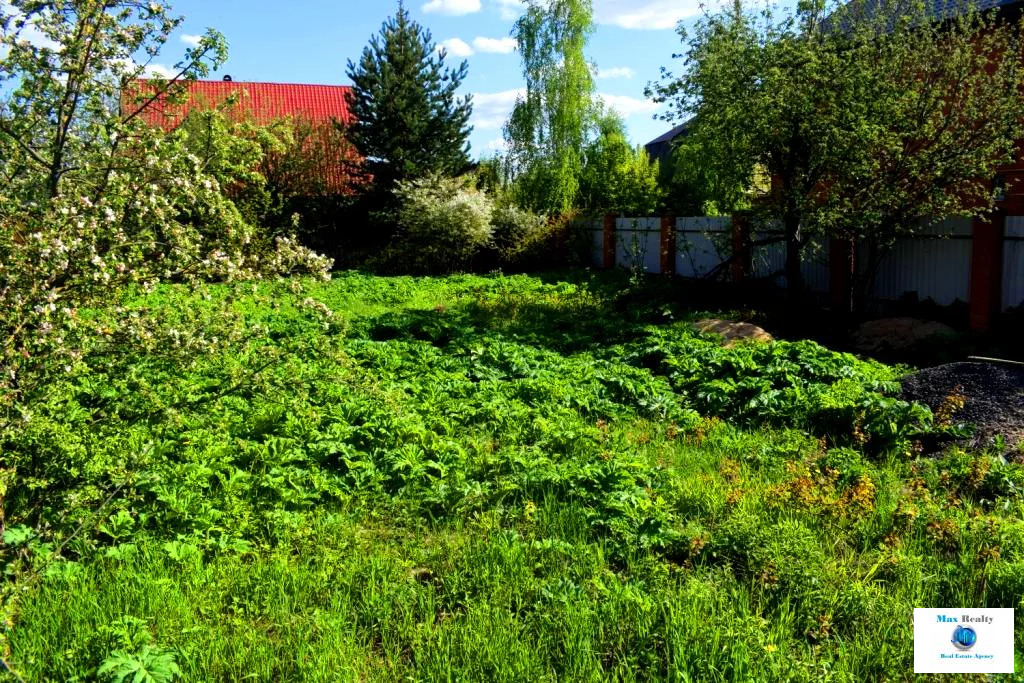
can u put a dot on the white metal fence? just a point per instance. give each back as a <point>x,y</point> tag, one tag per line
<point>935,264</point>
<point>1013,263</point>
<point>638,244</point>
<point>702,244</point>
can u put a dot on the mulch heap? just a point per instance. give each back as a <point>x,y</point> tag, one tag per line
<point>993,397</point>
<point>899,334</point>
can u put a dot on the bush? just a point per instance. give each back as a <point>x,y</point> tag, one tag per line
<point>515,228</point>
<point>95,202</point>
<point>788,384</point>
<point>617,177</point>
<point>443,223</point>
<point>290,176</point>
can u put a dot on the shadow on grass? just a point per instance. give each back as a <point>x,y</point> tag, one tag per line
<point>573,311</point>
<point>594,314</point>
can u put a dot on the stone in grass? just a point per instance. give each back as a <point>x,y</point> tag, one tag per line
<point>732,331</point>
<point>899,334</point>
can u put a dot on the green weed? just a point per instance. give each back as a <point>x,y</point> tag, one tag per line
<point>484,478</point>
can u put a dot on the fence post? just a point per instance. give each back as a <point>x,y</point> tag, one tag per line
<point>668,245</point>
<point>742,259</point>
<point>986,270</point>
<point>842,264</point>
<point>608,250</point>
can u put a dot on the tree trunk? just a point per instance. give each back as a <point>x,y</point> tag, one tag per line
<point>864,281</point>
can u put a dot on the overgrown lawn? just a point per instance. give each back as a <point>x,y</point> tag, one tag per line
<point>488,478</point>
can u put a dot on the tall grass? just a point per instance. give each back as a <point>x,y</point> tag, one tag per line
<point>493,478</point>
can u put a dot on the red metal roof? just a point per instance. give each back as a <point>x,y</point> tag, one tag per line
<point>265,102</point>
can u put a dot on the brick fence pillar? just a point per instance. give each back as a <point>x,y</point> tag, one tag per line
<point>842,265</point>
<point>608,245</point>
<point>668,245</point>
<point>742,265</point>
<point>986,288</point>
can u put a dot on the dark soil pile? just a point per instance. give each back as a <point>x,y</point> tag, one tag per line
<point>993,397</point>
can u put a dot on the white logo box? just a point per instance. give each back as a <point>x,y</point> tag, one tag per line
<point>936,652</point>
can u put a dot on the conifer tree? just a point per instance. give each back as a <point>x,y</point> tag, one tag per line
<point>408,120</point>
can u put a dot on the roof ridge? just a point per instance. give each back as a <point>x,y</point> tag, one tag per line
<point>233,82</point>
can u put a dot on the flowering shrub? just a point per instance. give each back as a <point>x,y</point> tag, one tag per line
<point>288,175</point>
<point>515,229</point>
<point>443,222</point>
<point>94,201</point>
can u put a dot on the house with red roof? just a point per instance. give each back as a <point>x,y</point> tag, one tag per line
<point>322,107</point>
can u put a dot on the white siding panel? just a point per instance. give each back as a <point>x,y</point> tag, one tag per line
<point>959,225</point>
<point>597,247</point>
<point>1015,226</point>
<point>638,243</point>
<point>769,259</point>
<point>937,269</point>
<point>815,267</point>
<point>1013,273</point>
<point>702,243</point>
<point>1013,263</point>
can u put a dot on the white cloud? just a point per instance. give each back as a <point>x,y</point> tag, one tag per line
<point>649,14</point>
<point>616,72</point>
<point>630,14</point>
<point>456,47</point>
<point>491,110</point>
<point>510,9</point>
<point>628,106</point>
<point>128,66</point>
<point>29,32</point>
<point>160,71</point>
<point>190,39</point>
<point>500,45</point>
<point>452,7</point>
<point>497,144</point>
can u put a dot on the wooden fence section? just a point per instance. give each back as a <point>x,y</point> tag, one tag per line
<point>958,259</point>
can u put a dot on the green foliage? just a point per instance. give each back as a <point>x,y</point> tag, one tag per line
<point>617,178</point>
<point>833,103</point>
<point>232,153</point>
<point>407,120</point>
<point>149,665</point>
<point>550,125</point>
<point>470,477</point>
<point>516,230</point>
<point>442,223</point>
<point>288,176</point>
<point>793,384</point>
<point>94,201</point>
<point>695,185</point>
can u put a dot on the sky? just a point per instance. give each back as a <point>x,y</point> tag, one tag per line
<point>311,41</point>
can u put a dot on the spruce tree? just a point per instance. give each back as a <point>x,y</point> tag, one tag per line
<point>408,120</point>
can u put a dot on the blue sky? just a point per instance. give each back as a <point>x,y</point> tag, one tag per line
<point>310,41</point>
